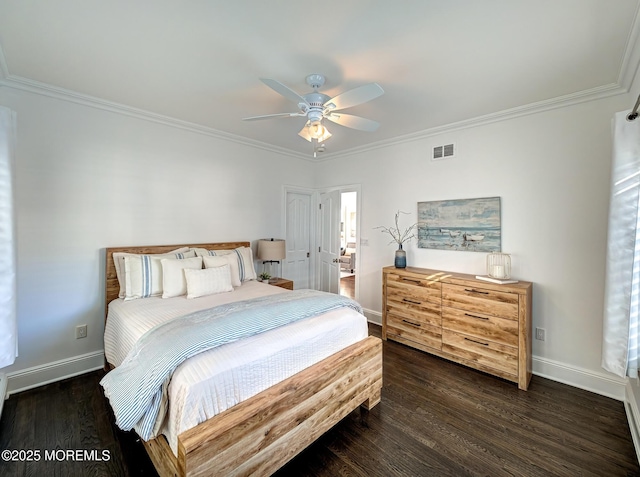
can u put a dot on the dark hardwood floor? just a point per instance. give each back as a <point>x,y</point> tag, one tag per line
<point>436,418</point>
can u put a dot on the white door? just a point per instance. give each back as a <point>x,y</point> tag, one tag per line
<point>329,246</point>
<point>298,239</point>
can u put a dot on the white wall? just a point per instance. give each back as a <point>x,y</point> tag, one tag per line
<point>552,172</point>
<point>87,179</point>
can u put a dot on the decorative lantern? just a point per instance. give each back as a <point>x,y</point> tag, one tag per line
<point>499,265</point>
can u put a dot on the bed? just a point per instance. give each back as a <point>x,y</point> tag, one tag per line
<point>265,430</point>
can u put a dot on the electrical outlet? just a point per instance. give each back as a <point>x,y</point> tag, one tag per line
<point>540,334</point>
<point>81,331</point>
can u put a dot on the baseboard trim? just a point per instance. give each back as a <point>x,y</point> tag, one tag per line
<point>600,383</point>
<point>51,372</point>
<point>373,316</point>
<point>633,417</point>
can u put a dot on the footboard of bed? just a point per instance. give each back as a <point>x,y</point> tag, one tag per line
<point>261,434</point>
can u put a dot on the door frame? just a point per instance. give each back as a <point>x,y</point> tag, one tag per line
<point>343,188</point>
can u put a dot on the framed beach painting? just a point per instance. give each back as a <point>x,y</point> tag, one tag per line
<point>462,224</point>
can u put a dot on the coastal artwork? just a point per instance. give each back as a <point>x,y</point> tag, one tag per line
<point>471,225</point>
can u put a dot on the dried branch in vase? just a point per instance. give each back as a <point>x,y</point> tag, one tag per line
<point>396,234</point>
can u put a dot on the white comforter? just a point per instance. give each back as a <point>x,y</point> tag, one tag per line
<point>216,380</point>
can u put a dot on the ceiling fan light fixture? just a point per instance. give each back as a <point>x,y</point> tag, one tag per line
<point>314,130</point>
<point>318,131</point>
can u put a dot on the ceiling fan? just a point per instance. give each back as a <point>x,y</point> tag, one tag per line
<point>317,106</point>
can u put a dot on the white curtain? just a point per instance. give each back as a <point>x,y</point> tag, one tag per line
<point>8,325</point>
<point>620,331</point>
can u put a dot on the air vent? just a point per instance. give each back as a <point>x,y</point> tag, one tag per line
<point>443,152</point>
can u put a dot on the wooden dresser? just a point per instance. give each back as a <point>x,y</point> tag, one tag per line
<point>458,317</point>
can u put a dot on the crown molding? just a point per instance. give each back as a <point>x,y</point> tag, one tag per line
<point>62,94</point>
<point>533,108</point>
<point>36,87</point>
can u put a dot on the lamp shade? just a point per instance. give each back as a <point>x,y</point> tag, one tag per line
<point>271,249</point>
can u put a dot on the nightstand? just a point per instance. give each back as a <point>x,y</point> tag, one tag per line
<point>282,283</point>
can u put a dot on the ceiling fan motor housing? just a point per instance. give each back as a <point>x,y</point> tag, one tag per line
<point>316,102</point>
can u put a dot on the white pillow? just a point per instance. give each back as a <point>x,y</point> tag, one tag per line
<point>118,261</point>
<point>246,269</point>
<point>208,281</point>
<point>173,275</point>
<point>143,274</point>
<point>201,252</point>
<point>230,259</point>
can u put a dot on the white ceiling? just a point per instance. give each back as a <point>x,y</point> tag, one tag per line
<point>442,63</point>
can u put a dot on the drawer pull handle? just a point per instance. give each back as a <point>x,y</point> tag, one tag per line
<point>471,290</point>
<point>478,342</point>
<point>410,280</point>
<point>406,300</point>
<point>417,325</point>
<point>476,316</point>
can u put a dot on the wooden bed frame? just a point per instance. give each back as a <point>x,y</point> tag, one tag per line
<point>261,434</point>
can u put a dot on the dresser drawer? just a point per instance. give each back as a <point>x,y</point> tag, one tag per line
<point>480,300</point>
<point>487,327</point>
<point>414,329</point>
<point>486,353</point>
<point>413,288</point>
<point>423,312</point>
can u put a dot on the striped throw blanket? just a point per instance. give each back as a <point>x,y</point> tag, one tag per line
<point>137,388</point>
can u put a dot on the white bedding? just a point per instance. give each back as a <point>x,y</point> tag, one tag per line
<point>216,380</point>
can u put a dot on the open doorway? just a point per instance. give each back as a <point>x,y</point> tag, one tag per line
<point>337,239</point>
<point>348,235</point>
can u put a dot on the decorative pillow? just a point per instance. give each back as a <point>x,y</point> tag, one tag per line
<point>118,261</point>
<point>230,259</point>
<point>246,268</point>
<point>143,274</point>
<point>173,275</point>
<point>208,281</point>
<point>201,252</point>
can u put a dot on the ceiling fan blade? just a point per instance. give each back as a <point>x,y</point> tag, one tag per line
<point>354,122</point>
<point>355,96</point>
<point>285,91</point>
<point>271,116</point>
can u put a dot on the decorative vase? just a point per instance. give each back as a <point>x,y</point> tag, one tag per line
<point>401,258</point>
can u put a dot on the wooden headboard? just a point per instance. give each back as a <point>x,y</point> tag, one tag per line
<point>112,287</point>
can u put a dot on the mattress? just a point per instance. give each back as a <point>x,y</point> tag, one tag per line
<point>215,380</point>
